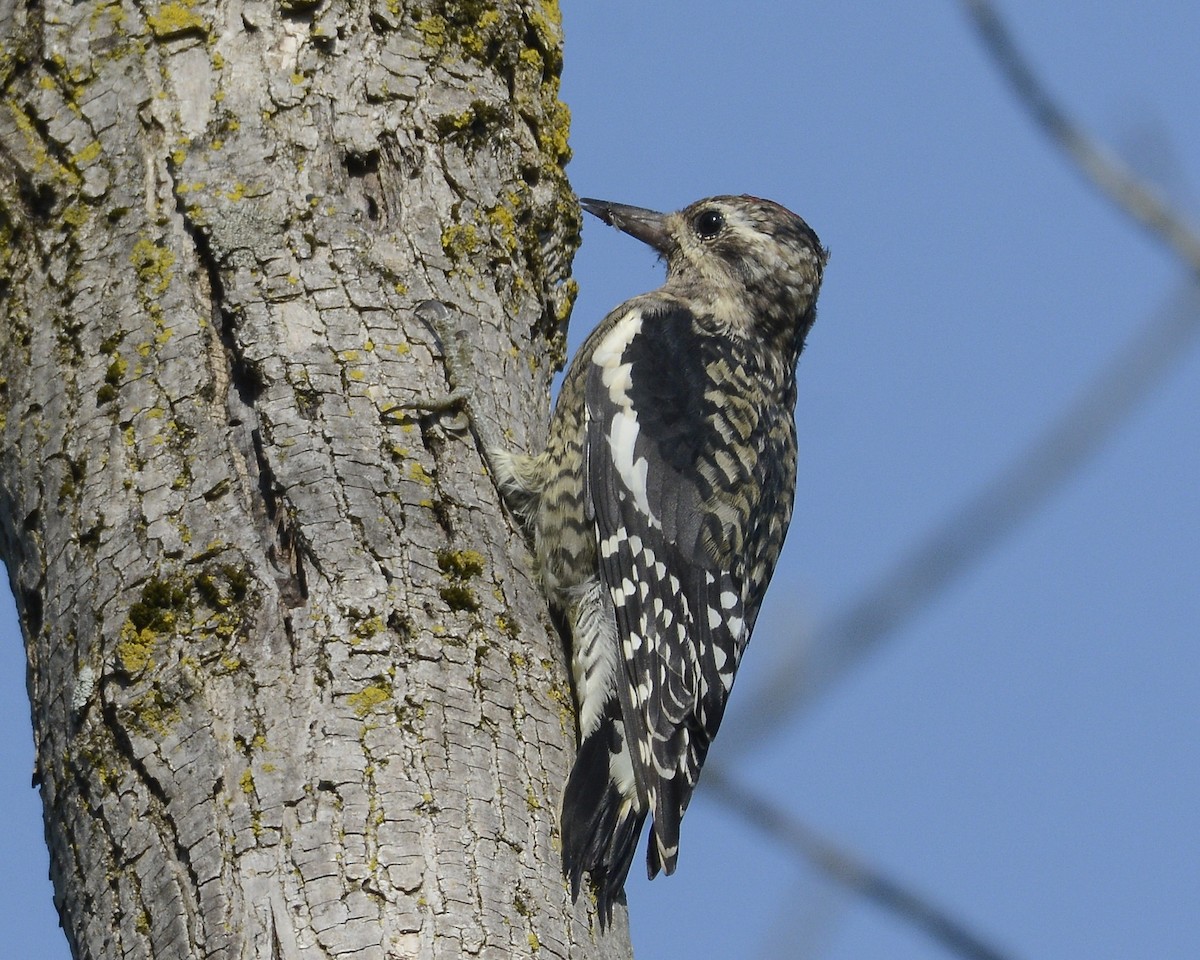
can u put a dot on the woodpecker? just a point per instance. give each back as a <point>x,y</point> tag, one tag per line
<point>659,507</point>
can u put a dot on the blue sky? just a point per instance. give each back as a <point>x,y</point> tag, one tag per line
<point>1024,752</point>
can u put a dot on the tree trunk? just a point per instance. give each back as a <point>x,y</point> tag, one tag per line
<point>294,689</point>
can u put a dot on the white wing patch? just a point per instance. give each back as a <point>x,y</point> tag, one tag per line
<point>623,429</point>
<point>610,351</point>
<point>622,436</point>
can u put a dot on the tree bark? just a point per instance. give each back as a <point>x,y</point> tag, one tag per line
<point>295,693</point>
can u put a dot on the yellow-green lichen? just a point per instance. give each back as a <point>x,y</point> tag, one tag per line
<point>370,627</point>
<point>153,265</point>
<point>505,222</point>
<point>554,132</point>
<point>531,58</point>
<point>135,649</point>
<point>433,30</point>
<point>476,39</point>
<point>175,18</point>
<point>369,698</point>
<point>508,626</point>
<point>74,76</point>
<point>77,214</point>
<point>474,127</point>
<point>210,591</point>
<point>420,474</point>
<point>238,579</point>
<point>460,240</point>
<point>44,163</point>
<point>531,800</point>
<point>459,566</point>
<point>546,21</point>
<point>566,707</point>
<point>87,154</point>
<point>220,587</point>
<point>161,600</point>
<point>461,563</point>
<point>568,292</point>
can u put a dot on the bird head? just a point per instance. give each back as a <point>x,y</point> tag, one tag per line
<point>751,265</point>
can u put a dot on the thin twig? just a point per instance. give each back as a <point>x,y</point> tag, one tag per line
<point>1126,191</point>
<point>847,870</point>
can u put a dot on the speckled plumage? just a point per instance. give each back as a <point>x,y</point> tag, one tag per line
<point>659,507</point>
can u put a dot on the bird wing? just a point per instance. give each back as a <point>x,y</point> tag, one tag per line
<point>678,464</point>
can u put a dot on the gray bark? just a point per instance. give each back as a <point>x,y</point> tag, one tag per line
<point>294,689</point>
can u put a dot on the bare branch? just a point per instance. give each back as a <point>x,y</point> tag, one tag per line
<point>1127,192</point>
<point>847,870</point>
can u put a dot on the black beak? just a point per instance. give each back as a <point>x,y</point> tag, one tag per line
<point>649,226</point>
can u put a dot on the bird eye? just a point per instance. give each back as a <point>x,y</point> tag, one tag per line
<point>709,224</point>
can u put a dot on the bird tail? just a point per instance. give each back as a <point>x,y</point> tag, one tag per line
<point>601,823</point>
<point>662,850</point>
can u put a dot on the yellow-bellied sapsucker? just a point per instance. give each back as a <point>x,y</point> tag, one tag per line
<point>659,508</point>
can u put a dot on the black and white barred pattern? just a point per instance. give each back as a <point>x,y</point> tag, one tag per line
<point>658,510</point>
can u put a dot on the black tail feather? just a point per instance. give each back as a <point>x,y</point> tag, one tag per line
<point>597,838</point>
<point>664,832</point>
